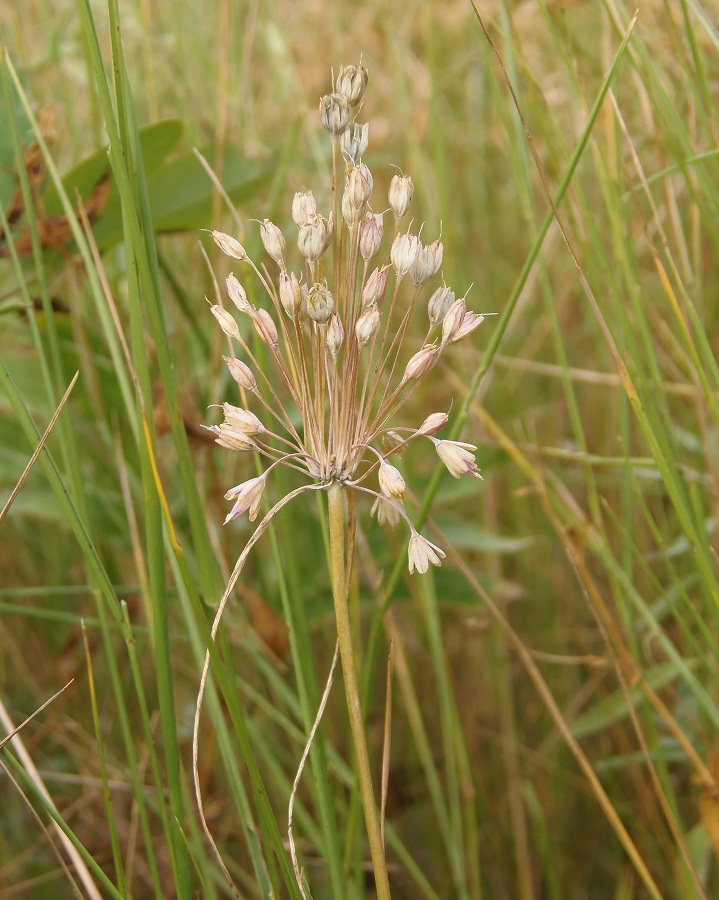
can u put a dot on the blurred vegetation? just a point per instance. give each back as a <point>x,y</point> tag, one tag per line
<point>556,693</point>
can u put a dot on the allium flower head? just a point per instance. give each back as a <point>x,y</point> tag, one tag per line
<point>338,361</point>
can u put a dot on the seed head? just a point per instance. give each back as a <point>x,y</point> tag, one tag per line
<point>334,113</point>
<point>274,242</point>
<point>400,195</point>
<point>320,304</point>
<point>304,208</point>
<point>351,83</point>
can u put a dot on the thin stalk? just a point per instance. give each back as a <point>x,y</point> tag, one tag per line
<point>354,709</point>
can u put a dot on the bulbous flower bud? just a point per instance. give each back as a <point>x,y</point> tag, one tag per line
<point>439,304</point>
<point>421,363</point>
<point>433,423</point>
<point>371,231</point>
<point>367,326</point>
<point>320,304</point>
<point>290,294</point>
<point>404,252</point>
<point>423,266</point>
<point>229,245</point>
<point>358,187</point>
<point>391,482</point>
<point>335,335</point>
<point>237,294</point>
<point>400,195</point>
<point>242,419</point>
<point>422,552</point>
<point>241,373</point>
<point>334,113</point>
<point>312,238</point>
<point>226,320</point>
<point>274,242</point>
<point>304,207</point>
<point>265,327</point>
<point>375,286</point>
<point>351,83</point>
<point>453,319</point>
<point>353,142</point>
<point>470,321</point>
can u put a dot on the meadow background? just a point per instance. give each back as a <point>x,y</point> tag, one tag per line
<point>555,691</point>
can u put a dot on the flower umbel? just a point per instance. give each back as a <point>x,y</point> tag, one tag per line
<point>337,334</point>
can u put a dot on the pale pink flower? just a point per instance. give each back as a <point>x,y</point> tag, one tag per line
<point>247,496</point>
<point>458,457</point>
<point>422,552</point>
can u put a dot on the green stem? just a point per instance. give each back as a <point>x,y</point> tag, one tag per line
<point>344,636</point>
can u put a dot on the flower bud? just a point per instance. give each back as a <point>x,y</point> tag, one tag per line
<point>433,423</point>
<point>335,335</point>
<point>420,363</point>
<point>400,195</point>
<point>312,238</point>
<point>367,326</point>
<point>241,373</point>
<point>304,207</point>
<point>320,304</point>
<point>375,286</point>
<point>265,327</point>
<point>274,242</point>
<point>470,321</point>
<point>334,113</point>
<point>404,252</point>
<point>242,419</point>
<point>351,83</point>
<point>439,304</point>
<point>371,231</point>
<point>353,142</point>
<point>453,319</point>
<point>290,294</point>
<point>237,294</point>
<point>226,320</point>
<point>229,245</point>
<point>391,482</point>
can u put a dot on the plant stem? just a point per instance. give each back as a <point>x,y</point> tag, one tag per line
<point>344,636</point>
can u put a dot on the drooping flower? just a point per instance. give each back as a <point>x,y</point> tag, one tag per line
<point>423,552</point>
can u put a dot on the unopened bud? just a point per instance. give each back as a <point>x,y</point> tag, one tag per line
<point>312,238</point>
<point>229,245</point>
<point>371,230</point>
<point>367,326</point>
<point>439,304</point>
<point>304,207</point>
<point>375,286</point>
<point>391,482</point>
<point>237,294</point>
<point>320,304</point>
<point>404,252</point>
<point>290,294</point>
<point>437,250</point>
<point>353,142</point>
<point>400,195</point>
<point>453,319</point>
<point>265,327</point>
<point>274,242</point>
<point>421,363</point>
<point>334,113</point>
<point>335,335</point>
<point>241,373</point>
<point>226,320</point>
<point>351,83</point>
<point>433,423</point>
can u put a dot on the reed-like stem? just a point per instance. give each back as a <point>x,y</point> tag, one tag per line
<point>344,637</point>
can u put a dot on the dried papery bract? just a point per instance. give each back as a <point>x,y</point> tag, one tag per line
<point>339,362</point>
